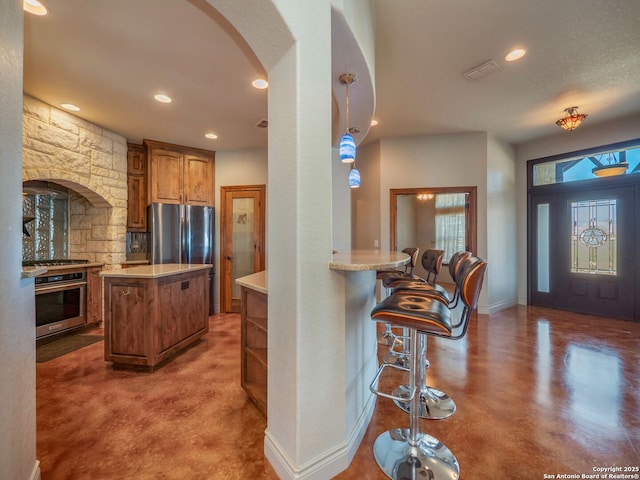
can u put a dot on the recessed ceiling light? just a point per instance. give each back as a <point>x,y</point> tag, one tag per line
<point>374,122</point>
<point>211,135</point>
<point>70,106</point>
<point>516,54</point>
<point>34,7</point>
<point>260,83</point>
<point>162,98</point>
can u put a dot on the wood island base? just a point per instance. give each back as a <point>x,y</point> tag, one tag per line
<point>153,313</point>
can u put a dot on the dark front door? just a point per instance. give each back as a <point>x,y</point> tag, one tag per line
<point>583,253</point>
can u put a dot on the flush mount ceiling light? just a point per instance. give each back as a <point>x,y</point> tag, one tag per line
<point>34,7</point>
<point>260,83</point>
<point>162,98</point>
<point>70,106</point>
<point>613,167</point>
<point>572,119</point>
<point>211,135</point>
<point>347,143</point>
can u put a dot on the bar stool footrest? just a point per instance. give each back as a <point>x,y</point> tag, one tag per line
<point>373,387</point>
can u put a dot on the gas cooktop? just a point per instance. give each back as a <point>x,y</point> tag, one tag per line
<point>53,262</point>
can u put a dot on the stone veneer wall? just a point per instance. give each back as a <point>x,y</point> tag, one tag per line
<point>91,161</point>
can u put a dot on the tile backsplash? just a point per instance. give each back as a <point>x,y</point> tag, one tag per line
<point>136,243</point>
<point>46,226</point>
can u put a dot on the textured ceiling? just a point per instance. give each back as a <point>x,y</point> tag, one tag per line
<point>109,57</point>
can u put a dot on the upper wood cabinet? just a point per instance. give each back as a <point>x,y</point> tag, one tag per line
<point>180,174</point>
<point>136,188</point>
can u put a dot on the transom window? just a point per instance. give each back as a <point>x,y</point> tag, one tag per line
<point>572,169</point>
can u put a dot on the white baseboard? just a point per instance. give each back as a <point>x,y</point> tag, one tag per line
<point>35,474</point>
<point>327,464</point>
<point>496,307</point>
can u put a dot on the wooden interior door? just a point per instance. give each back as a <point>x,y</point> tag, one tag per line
<point>242,235</point>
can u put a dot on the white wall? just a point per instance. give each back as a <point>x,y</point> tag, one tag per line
<point>239,167</point>
<point>502,228</point>
<point>587,136</point>
<point>365,201</point>
<point>340,203</point>
<point>436,161</point>
<point>17,309</point>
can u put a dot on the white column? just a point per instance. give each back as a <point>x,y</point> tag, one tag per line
<point>17,310</point>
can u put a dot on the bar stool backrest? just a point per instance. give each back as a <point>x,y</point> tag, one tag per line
<point>432,263</point>
<point>413,255</point>
<point>469,280</point>
<point>454,263</point>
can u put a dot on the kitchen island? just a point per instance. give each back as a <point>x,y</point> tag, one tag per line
<point>153,312</point>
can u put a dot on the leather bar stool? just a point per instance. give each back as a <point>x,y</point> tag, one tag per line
<point>434,404</point>
<point>387,276</point>
<point>409,453</point>
<point>436,291</point>
<point>431,261</point>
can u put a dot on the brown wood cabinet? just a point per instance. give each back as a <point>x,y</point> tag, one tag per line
<point>150,319</point>
<point>253,344</point>
<point>180,174</point>
<point>137,188</point>
<point>94,295</point>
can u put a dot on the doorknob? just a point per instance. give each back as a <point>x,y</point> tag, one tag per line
<point>228,257</point>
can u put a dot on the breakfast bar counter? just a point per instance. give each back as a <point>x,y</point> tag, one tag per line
<point>363,260</point>
<point>153,312</point>
<point>356,274</point>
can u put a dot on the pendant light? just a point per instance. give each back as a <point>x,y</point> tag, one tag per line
<point>612,168</point>
<point>347,143</point>
<point>354,177</point>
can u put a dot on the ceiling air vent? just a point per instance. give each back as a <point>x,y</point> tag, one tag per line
<point>481,70</point>
<point>264,123</point>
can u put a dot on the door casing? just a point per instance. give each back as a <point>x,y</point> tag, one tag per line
<point>258,192</point>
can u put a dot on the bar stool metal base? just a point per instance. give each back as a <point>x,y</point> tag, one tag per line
<point>429,459</point>
<point>433,404</point>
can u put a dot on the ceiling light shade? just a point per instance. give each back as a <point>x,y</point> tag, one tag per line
<point>347,143</point>
<point>572,119</point>
<point>347,148</point>
<point>354,177</point>
<point>611,169</point>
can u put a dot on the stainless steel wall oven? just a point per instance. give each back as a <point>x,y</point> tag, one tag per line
<point>60,302</point>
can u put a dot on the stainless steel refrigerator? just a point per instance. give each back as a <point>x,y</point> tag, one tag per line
<point>182,234</point>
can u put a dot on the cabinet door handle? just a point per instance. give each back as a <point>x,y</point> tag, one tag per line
<point>229,257</point>
<point>126,291</point>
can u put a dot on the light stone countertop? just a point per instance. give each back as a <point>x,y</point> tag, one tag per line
<point>255,281</point>
<point>30,272</point>
<point>135,262</point>
<point>362,260</point>
<point>74,265</point>
<point>155,271</point>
